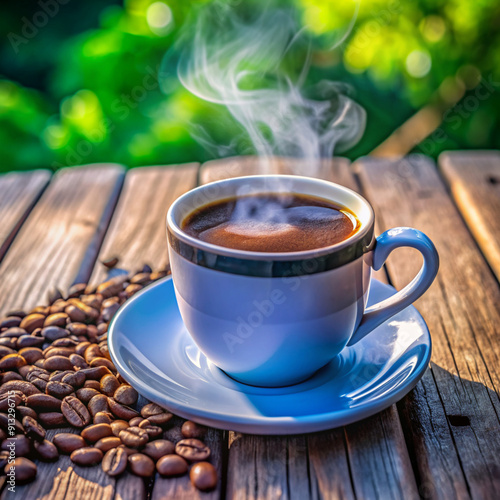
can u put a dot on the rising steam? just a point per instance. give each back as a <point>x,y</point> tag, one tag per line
<point>242,65</point>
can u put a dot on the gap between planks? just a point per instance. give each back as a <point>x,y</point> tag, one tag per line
<point>451,418</point>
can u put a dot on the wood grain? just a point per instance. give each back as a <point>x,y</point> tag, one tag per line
<point>456,449</point>
<point>59,241</point>
<point>19,191</point>
<point>474,181</point>
<point>137,233</point>
<point>316,466</point>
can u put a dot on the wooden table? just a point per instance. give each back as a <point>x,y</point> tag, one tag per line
<point>441,441</point>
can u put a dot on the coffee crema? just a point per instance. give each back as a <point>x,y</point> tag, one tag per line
<point>272,222</point>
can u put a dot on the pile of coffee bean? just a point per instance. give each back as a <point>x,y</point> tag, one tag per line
<point>56,371</point>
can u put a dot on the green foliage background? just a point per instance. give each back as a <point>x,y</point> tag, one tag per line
<point>79,84</point>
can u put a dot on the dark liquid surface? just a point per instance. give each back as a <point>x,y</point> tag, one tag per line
<point>272,223</point>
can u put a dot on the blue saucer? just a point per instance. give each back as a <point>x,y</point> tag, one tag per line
<point>153,351</point>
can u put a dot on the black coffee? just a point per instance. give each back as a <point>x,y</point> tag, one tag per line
<point>275,222</point>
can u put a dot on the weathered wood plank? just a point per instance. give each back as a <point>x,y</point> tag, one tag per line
<point>316,466</point>
<point>19,191</point>
<point>60,237</point>
<point>474,181</point>
<point>62,234</point>
<point>137,233</point>
<point>456,449</point>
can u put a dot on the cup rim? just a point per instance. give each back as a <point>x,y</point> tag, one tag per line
<point>175,228</point>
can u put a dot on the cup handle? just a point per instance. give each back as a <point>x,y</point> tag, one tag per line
<point>385,244</point>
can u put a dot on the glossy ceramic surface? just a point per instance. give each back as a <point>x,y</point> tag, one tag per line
<point>153,351</point>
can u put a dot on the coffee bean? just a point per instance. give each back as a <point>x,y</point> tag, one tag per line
<point>126,395</point>
<point>109,384</point>
<point>43,402</point>
<point>29,341</point>
<point>141,465</point>
<point>19,385</point>
<point>133,289</point>
<point>134,437</point>
<point>95,373</point>
<point>103,417</point>
<point>7,420</point>
<point>75,314</point>
<point>58,306</point>
<point>85,394</point>
<point>65,352</point>
<point>54,332</point>
<point>192,430</point>
<point>203,476</point>
<point>57,319</point>
<point>93,433</point>
<point>33,429</point>
<point>92,384</point>
<point>93,300</point>
<point>110,262</point>
<point>153,430</point>
<point>77,329</point>
<point>141,279</point>
<point>65,342</point>
<point>58,363</point>
<point>31,354</point>
<point>6,350</point>
<point>160,419</point>
<point>13,332</point>
<point>159,448</point>
<point>39,377</point>
<point>114,462</point>
<point>32,321</point>
<point>4,458</point>
<point>171,465</point>
<point>40,363</point>
<point>109,312</point>
<point>118,425</point>
<point>97,404</point>
<point>10,322</point>
<point>26,411</point>
<point>22,443</point>
<point>107,443</point>
<point>74,412</point>
<point>25,469</point>
<point>112,287</point>
<point>103,362</point>
<point>46,450</point>
<point>82,346</point>
<point>135,421</point>
<point>192,450</point>
<point>6,377</point>
<point>121,411</point>
<point>22,370</point>
<point>67,443</point>
<point>86,456</point>
<point>52,419</point>
<point>151,409</point>
<point>11,343</point>
<point>76,290</point>
<point>59,389</point>
<point>58,375</point>
<point>77,361</point>
<point>75,379</point>
<point>13,361</point>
